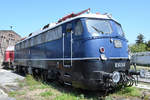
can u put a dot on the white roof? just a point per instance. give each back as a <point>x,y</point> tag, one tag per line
<point>90,15</point>
<point>10,48</point>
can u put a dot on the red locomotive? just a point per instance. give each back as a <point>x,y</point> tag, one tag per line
<point>8,57</point>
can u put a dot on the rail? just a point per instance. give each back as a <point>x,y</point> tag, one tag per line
<point>146,78</point>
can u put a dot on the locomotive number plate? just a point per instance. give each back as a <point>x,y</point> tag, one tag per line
<point>119,65</point>
<point>117,43</point>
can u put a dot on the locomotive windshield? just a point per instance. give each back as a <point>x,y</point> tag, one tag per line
<point>98,26</point>
<point>119,29</point>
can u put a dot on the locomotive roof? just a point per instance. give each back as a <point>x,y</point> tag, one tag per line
<point>53,25</point>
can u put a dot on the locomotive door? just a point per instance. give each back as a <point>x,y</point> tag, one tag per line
<point>67,46</point>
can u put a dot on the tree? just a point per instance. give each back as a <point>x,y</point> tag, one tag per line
<point>148,46</point>
<point>140,39</point>
<point>138,47</point>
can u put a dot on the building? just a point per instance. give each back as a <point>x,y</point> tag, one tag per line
<point>7,38</point>
<point>141,58</point>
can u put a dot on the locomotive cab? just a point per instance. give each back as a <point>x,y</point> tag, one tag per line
<point>106,52</point>
<point>108,43</point>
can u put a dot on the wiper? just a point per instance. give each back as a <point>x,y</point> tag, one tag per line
<point>99,31</point>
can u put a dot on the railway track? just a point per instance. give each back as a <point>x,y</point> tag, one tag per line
<point>144,82</point>
<point>146,78</point>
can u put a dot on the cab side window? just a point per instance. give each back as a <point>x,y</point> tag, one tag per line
<point>68,27</point>
<point>78,28</point>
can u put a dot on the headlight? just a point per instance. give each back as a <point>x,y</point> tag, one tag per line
<point>103,57</point>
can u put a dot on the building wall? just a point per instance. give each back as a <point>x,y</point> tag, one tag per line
<point>7,38</point>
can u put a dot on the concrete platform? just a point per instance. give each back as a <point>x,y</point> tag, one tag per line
<point>8,82</point>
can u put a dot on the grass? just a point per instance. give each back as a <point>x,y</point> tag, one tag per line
<point>65,96</point>
<point>71,96</point>
<point>46,94</point>
<point>108,98</point>
<point>31,81</point>
<point>140,67</point>
<point>32,89</point>
<point>129,91</point>
<point>14,93</point>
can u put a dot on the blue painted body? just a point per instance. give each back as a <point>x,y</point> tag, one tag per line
<point>84,46</point>
<point>85,54</point>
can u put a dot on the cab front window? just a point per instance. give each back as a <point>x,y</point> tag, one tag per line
<point>98,26</point>
<point>119,29</point>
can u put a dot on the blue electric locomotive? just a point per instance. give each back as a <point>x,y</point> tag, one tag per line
<point>86,51</point>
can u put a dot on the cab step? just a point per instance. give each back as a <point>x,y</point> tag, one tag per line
<point>67,83</point>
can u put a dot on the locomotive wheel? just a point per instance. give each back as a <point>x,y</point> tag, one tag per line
<point>25,71</point>
<point>16,69</point>
<point>35,73</point>
<point>44,76</point>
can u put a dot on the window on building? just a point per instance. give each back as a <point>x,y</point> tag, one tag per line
<point>7,41</point>
<point>16,48</point>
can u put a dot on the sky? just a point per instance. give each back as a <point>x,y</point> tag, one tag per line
<point>27,16</point>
